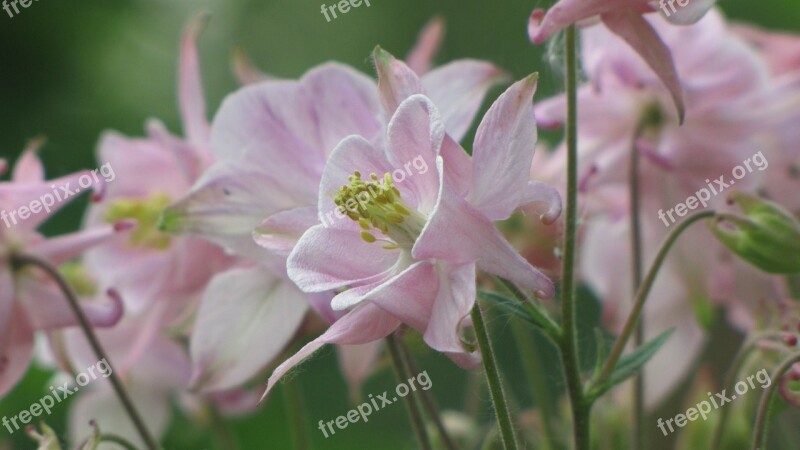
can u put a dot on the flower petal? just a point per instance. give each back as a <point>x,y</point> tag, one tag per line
<point>357,363</point>
<point>244,312</point>
<point>538,192</point>
<point>504,147</point>
<point>280,232</point>
<point>329,258</point>
<point>458,234</point>
<point>228,203</point>
<point>190,87</point>
<point>641,36</point>
<point>415,136</point>
<point>16,342</point>
<point>345,102</point>
<point>396,81</point>
<point>61,249</point>
<point>29,168</point>
<point>458,89</point>
<point>365,323</point>
<point>103,407</point>
<point>566,12</point>
<point>454,301</point>
<point>420,58</point>
<point>48,309</point>
<point>410,295</point>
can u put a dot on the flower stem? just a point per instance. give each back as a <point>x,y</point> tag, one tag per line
<point>568,342</point>
<point>294,402</point>
<point>414,412</point>
<point>119,440</point>
<point>733,372</point>
<point>534,365</point>
<point>428,402</point>
<point>760,429</point>
<point>493,379</point>
<point>641,296</point>
<point>20,260</point>
<point>638,438</point>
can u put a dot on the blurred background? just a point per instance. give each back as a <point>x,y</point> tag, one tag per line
<point>71,70</point>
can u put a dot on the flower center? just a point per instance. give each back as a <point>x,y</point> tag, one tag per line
<point>377,206</point>
<point>146,212</point>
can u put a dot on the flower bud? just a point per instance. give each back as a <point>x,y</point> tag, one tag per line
<point>767,237</point>
<point>789,339</point>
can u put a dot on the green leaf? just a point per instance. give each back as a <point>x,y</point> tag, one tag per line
<point>632,363</point>
<point>526,312</point>
<point>603,342</point>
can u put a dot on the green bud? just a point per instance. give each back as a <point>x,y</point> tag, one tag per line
<point>767,237</point>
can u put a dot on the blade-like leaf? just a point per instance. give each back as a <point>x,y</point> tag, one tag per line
<point>525,311</point>
<point>632,363</point>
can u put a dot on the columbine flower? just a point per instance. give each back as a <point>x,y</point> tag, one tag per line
<point>409,253</point>
<point>623,106</point>
<point>624,18</point>
<point>28,301</point>
<point>161,278</point>
<point>153,270</point>
<point>272,140</point>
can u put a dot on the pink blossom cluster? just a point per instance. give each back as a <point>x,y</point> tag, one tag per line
<point>210,255</point>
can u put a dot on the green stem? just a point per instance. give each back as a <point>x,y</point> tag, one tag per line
<point>568,343</point>
<point>427,399</point>
<point>533,364</point>
<point>119,440</point>
<point>637,438</point>
<point>414,412</point>
<point>294,403</point>
<point>21,260</point>
<point>733,373</point>
<point>760,430</point>
<point>493,379</point>
<point>641,296</point>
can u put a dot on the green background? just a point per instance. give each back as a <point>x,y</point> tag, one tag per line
<point>73,69</point>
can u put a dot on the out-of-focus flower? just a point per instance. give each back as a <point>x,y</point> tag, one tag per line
<point>29,301</point>
<point>408,252</point>
<point>152,376</point>
<point>272,140</point>
<point>622,109</point>
<point>625,19</point>
<point>161,278</point>
<point>148,266</point>
<point>767,236</point>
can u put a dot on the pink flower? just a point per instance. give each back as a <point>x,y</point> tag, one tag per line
<point>409,252</point>
<point>728,92</point>
<point>29,301</point>
<point>624,18</point>
<point>149,266</point>
<point>730,113</point>
<point>272,140</point>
